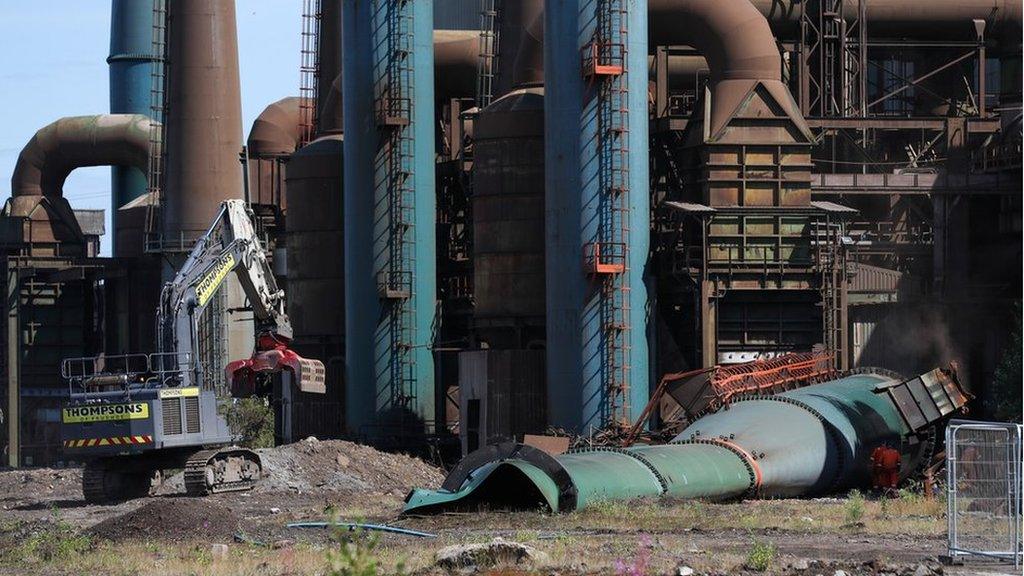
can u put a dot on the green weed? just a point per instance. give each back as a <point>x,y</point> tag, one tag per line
<point>854,507</point>
<point>761,556</point>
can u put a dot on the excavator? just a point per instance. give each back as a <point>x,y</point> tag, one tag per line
<point>133,417</point>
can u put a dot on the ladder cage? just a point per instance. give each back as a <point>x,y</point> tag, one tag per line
<point>606,257</point>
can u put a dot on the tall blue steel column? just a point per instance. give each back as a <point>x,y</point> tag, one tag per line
<point>131,67</point>
<point>579,332</point>
<point>390,290</point>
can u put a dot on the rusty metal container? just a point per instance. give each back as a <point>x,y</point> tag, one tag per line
<point>315,245</point>
<point>508,219</point>
<point>315,266</point>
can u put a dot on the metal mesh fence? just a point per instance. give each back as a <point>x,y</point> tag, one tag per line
<point>984,482</point>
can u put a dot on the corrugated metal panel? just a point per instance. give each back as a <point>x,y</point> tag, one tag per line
<point>508,386</point>
<point>457,15</point>
<point>875,279</point>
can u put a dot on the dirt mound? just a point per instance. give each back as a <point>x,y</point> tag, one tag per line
<point>313,465</point>
<point>174,519</point>
<point>39,484</point>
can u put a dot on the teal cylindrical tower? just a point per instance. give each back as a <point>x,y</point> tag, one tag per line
<point>390,289</point>
<point>131,69</point>
<point>597,211</point>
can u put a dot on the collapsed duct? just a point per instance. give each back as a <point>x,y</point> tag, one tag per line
<point>804,442</point>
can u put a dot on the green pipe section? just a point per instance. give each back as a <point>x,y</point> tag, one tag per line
<point>705,471</point>
<point>606,474</point>
<point>790,444</point>
<point>861,421</point>
<point>803,442</point>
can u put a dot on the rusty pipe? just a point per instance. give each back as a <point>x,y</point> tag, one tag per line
<point>275,132</point>
<point>733,36</point>
<point>915,19</point>
<point>204,120</point>
<point>78,141</point>
<point>740,49</point>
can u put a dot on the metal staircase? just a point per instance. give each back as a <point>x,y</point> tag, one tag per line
<point>607,257</point>
<point>309,70</point>
<point>158,113</point>
<point>487,65</point>
<point>393,87</point>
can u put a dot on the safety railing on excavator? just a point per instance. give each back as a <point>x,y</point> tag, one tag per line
<point>124,372</point>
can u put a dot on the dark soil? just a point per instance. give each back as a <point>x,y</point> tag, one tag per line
<point>170,519</point>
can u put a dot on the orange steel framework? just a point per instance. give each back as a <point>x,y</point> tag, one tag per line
<point>761,376</point>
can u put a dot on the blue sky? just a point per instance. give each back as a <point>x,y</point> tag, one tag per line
<point>53,64</point>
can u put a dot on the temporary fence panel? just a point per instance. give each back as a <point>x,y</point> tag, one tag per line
<point>983,466</point>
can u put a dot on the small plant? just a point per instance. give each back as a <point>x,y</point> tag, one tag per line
<point>59,543</point>
<point>354,554</point>
<point>854,507</point>
<point>884,506</point>
<point>252,421</point>
<point>761,556</point>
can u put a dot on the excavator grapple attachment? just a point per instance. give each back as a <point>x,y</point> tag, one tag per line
<point>245,375</point>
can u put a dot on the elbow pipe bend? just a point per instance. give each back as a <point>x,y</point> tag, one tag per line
<point>74,142</point>
<point>277,130</point>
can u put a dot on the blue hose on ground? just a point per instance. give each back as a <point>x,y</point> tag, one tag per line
<point>352,526</point>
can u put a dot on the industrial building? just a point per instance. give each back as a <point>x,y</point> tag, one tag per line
<point>495,218</point>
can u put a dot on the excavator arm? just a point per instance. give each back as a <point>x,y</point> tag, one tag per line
<point>231,245</point>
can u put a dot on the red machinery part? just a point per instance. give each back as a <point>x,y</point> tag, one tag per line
<point>272,355</point>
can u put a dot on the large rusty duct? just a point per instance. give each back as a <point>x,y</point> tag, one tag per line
<point>274,136</point>
<point>37,185</point>
<point>755,242</point>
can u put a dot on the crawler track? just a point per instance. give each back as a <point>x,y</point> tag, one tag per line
<point>230,469</point>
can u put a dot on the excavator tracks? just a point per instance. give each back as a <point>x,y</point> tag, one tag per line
<point>104,481</point>
<point>228,469</point>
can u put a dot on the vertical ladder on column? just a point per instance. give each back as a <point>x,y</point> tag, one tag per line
<point>309,70</point>
<point>487,64</point>
<point>604,62</point>
<point>393,42</point>
<point>831,269</point>
<point>157,112</point>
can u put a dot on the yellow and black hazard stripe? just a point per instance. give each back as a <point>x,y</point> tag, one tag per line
<point>114,441</point>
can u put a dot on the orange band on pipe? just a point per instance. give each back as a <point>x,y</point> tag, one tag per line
<point>746,456</point>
